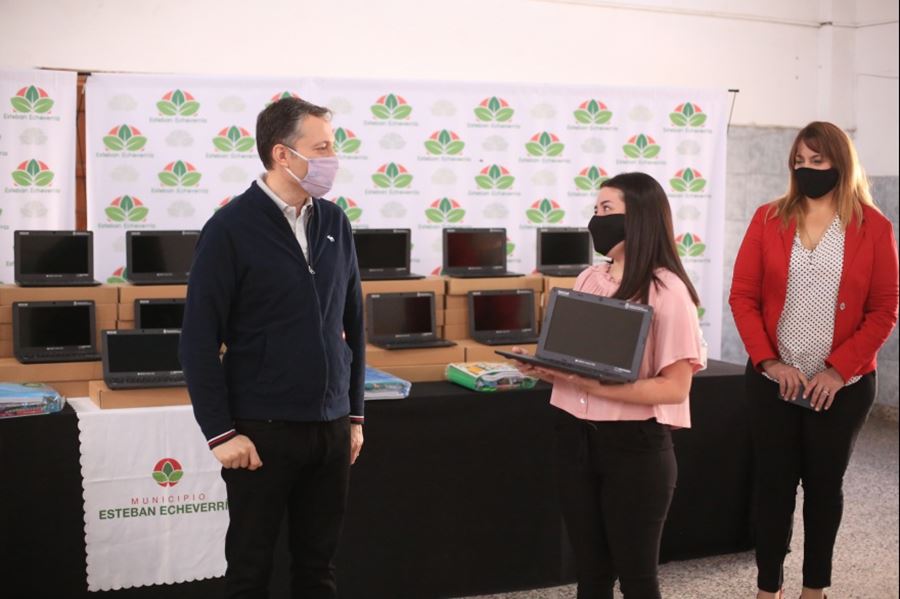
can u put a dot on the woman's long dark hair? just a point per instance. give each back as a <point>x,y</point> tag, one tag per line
<point>649,237</point>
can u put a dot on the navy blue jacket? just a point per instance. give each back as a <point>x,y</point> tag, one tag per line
<point>284,327</point>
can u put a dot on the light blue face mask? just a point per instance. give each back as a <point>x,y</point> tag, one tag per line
<point>319,178</point>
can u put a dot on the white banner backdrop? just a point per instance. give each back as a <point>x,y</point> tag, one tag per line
<point>37,155</point>
<point>166,151</point>
<point>155,505</point>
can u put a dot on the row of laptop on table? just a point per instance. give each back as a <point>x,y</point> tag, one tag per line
<point>65,258</point>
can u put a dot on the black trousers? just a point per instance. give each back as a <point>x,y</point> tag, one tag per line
<point>793,445</point>
<point>616,481</point>
<point>305,471</point>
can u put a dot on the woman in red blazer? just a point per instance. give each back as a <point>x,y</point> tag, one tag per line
<point>814,297</point>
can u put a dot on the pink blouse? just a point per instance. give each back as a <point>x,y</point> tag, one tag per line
<point>674,335</point>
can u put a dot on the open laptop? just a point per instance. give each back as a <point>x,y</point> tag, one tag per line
<point>402,321</point>
<point>158,313</point>
<point>502,317</point>
<point>383,254</point>
<point>159,257</point>
<point>563,252</point>
<point>54,258</point>
<point>54,332</point>
<point>475,253</point>
<point>593,336</point>
<point>141,358</point>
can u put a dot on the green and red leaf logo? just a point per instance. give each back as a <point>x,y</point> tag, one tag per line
<point>494,109</point>
<point>687,115</point>
<point>179,173</point>
<point>126,209</point>
<point>31,99</point>
<point>234,139</point>
<point>510,247</point>
<point>690,245</point>
<point>349,207</point>
<point>688,179</point>
<point>444,142</point>
<point>445,210</point>
<point>641,146</point>
<point>545,211</point>
<point>590,178</point>
<point>392,175</point>
<point>593,112</point>
<point>124,137</point>
<point>544,144</point>
<point>494,177</point>
<point>701,312</point>
<point>391,107</point>
<point>345,141</point>
<point>33,172</point>
<point>167,472</point>
<point>282,96</point>
<point>223,203</point>
<point>118,277</point>
<point>178,103</point>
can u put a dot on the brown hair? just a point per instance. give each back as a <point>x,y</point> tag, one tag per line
<point>852,189</point>
<point>277,124</point>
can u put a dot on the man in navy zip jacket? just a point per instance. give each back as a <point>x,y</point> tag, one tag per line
<point>275,279</point>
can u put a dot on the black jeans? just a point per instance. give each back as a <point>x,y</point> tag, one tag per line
<point>616,481</point>
<point>793,445</point>
<point>306,470</point>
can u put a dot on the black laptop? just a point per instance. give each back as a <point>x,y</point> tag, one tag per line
<point>54,258</point>
<point>502,317</point>
<point>475,253</point>
<point>563,252</point>
<point>594,336</point>
<point>402,321</point>
<point>158,313</point>
<point>54,332</point>
<point>383,254</point>
<point>159,257</point>
<point>141,358</point>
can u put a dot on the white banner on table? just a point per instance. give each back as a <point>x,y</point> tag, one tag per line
<point>165,151</point>
<point>155,505</point>
<point>37,155</point>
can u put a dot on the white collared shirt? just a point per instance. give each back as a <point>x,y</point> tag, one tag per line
<point>297,222</point>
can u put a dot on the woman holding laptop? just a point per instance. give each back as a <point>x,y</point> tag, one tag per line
<point>616,464</point>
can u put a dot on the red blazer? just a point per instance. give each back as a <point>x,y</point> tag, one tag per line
<point>866,309</point>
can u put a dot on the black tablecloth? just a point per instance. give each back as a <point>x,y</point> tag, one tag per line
<point>453,495</point>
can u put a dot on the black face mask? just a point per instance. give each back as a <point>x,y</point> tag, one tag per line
<point>607,231</point>
<point>815,183</point>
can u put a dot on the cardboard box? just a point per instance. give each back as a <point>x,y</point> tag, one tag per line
<point>378,358</point>
<point>6,348</point>
<point>104,294</point>
<point>478,352</point>
<point>418,374</point>
<point>71,388</point>
<point>129,293</point>
<point>125,324</point>
<point>456,331</point>
<point>452,317</point>
<point>13,372</point>
<point>563,282</point>
<point>456,302</point>
<point>105,312</point>
<point>463,286</point>
<point>434,284</point>
<point>108,398</point>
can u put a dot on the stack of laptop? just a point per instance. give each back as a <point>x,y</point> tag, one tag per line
<point>502,317</point>
<point>61,331</point>
<point>593,336</point>
<point>54,258</point>
<point>383,254</point>
<point>476,253</point>
<point>402,321</point>
<point>563,252</point>
<point>159,257</point>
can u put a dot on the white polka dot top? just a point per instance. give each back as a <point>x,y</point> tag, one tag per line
<point>806,326</point>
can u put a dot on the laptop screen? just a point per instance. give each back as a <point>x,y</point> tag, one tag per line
<point>508,311</point>
<point>165,314</point>
<point>382,249</point>
<point>55,326</point>
<point>143,352</point>
<point>54,254</point>
<point>614,344</point>
<point>565,248</point>
<point>162,253</point>
<point>401,314</point>
<point>468,249</point>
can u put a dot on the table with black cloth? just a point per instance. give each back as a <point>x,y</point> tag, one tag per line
<point>453,495</point>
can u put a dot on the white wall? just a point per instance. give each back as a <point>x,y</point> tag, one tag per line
<point>789,70</point>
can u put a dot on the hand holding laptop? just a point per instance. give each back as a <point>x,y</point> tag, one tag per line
<point>548,375</point>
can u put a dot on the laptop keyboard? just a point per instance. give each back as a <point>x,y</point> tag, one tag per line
<point>62,357</point>
<point>146,381</point>
<point>417,344</point>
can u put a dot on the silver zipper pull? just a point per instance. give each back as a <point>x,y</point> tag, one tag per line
<point>311,271</point>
